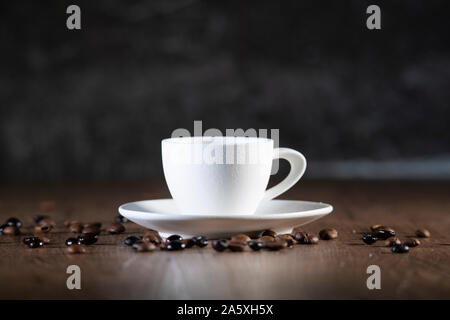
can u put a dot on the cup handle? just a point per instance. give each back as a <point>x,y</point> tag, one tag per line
<point>298,167</point>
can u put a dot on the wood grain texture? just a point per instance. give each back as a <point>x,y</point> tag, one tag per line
<point>331,270</point>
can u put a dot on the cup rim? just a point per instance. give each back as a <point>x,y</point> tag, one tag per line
<point>216,139</point>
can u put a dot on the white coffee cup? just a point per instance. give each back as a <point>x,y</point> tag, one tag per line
<point>225,175</point>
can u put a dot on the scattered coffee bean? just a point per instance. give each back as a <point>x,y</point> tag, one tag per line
<point>413,242</point>
<point>400,248</point>
<point>383,234</point>
<point>277,244</point>
<point>43,229</point>
<point>240,238</point>
<point>39,218</point>
<point>390,242</point>
<point>369,239</point>
<point>266,239</point>
<point>376,227</point>
<point>174,237</point>
<point>145,247</point>
<point>175,245</point>
<point>71,241</point>
<point>91,229</point>
<point>270,233</point>
<point>27,240</point>
<point>75,248</point>
<point>75,227</point>
<point>120,219</point>
<point>47,222</point>
<point>286,237</point>
<point>256,245</point>
<point>115,228</point>
<point>311,239</point>
<point>35,243</point>
<point>423,233</point>
<point>328,234</point>
<point>10,230</point>
<point>153,237</point>
<point>220,245</point>
<point>136,244</point>
<point>14,222</point>
<point>236,246</point>
<point>87,238</point>
<point>200,241</point>
<point>299,236</point>
<point>131,240</point>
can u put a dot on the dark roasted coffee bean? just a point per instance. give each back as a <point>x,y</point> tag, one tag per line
<point>35,243</point>
<point>27,240</point>
<point>75,227</point>
<point>255,245</point>
<point>145,247</point>
<point>47,222</point>
<point>220,245</point>
<point>39,218</point>
<point>175,245</point>
<point>270,233</point>
<point>43,229</point>
<point>240,237</point>
<point>3,226</point>
<point>376,227</point>
<point>131,239</point>
<point>236,246</point>
<point>97,225</point>
<point>328,234</point>
<point>299,236</point>
<point>189,243</point>
<point>136,244</point>
<point>423,233</point>
<point>115,228</point>
<point>369,239</point>
<point>400,248</point>
<point>10,230</point>
<point>87,239</point>
<point>266,239</point>
<point>14,222</point>
<point>200,241</point>
<point>120,219</point>
<point>286,237</point>
<point>413,242</point>
<point>311,239</point>
<point>174,237</point>
<point>71,241</point>
<point>392,241</point>
<point>91,229</point>
<point>383,234</point>
<point>277,244</point>
<point>75,248</point>
<point>153,237</point>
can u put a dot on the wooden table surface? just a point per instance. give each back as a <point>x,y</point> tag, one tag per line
<point>331,270</point>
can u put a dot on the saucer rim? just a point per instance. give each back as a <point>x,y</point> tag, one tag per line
<point>325,210</point>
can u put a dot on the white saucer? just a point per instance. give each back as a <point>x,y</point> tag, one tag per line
<point>278,215</point>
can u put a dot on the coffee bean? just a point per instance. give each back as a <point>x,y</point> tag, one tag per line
<point>255,245</point>
<point>423,233</point>
<point>131,240</point>
<point>27,240</point>
<point>136,244</point>
<point>35,243</point>
<point>43,229</point>
<point>240,238</point>
<point>47,222</point>
<point>276,245</point>
<point>153,237</point>
<point>299,236</point>
<point>328,234</point>
<point>413,242</point>
<point>115,228</point>
<point>75,249</point>
<point>87,239</point>
<point>236,246</point>
<point>3,226</point>
<point>311,239</point>
<point>270,233</point>
<point>91,229</point>
<point>369,238</point>
<point>286,237</point>
<point>120,219</point>
<point>39,218</point>
<point>14,222</point>
<point>175,245</point>
<point>75,227</point>
<point>220,245</point>
<point>200,241</point>
<point>145,247</point>
<point>383,234</point>
<point>10,230</point>
<point>92,225</point>
<point>266,239</point>
<point>71,241</point>
<point>400,248</point>
<point>392,242</point>
<point>376,227</point>
<point>174,237</point>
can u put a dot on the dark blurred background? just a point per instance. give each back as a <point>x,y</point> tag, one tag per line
<point>95,103</point>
